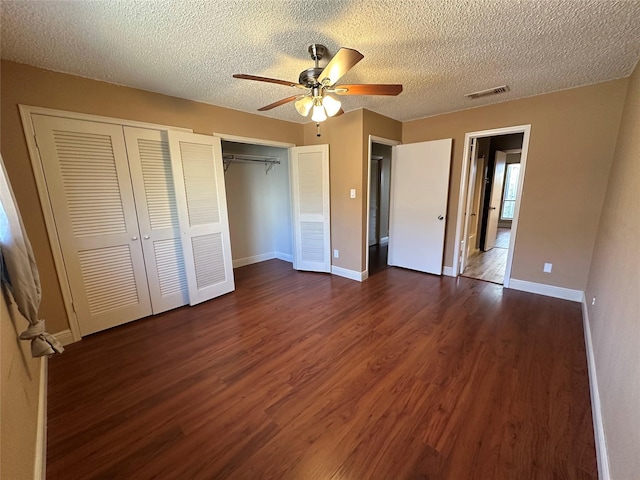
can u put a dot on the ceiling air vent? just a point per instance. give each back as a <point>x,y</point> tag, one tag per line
<point>488,91</point>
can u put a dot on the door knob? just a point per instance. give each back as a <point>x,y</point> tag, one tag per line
<point>492,208</point>
<point>440,217</point>
<point>146,237</point>
<point>134,238</point>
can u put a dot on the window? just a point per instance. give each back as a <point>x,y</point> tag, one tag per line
<point>510,191</point>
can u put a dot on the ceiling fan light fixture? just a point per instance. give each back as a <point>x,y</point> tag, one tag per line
<point>303,106</point>
<point>331,105</point>
<point>319,114</point>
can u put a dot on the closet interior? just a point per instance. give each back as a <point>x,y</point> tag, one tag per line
<point>258,201</point>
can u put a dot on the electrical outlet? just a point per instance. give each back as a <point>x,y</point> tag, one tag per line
<point>336,254</point>
<point>353,193</point>
<point>547,267</point>
<point>593,301</point>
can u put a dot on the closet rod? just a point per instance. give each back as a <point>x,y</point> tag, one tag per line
<point>269,162</point>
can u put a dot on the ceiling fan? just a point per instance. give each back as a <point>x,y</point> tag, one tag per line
<point>318,83</point>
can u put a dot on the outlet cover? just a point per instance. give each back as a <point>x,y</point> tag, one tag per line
<point>547,267</point>
<point>353,193</point>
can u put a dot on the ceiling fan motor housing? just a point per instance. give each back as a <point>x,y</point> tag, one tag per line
<point>309,77</point>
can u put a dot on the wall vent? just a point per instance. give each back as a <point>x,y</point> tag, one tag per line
<point>488,91</point>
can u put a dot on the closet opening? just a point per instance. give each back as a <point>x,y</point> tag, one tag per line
<point>258,202</point>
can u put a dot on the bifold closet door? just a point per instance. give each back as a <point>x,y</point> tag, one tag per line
<point>202,213</point>
<point>89,185</point>
<point>152,180</point>
<point>309,170</point>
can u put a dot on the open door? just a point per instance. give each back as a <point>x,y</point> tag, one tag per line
<point>309,169</point>
<point>198,176</point>
<point>493,213</point>
<point>419,191</point>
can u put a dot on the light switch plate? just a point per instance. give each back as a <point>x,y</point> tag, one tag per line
<point>353,193</point>
<point>547,267</point>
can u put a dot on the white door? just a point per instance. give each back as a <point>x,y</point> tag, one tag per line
<point>471,214</point>
<point>198,176</point>
<point>419,190</point>
<point>87,173</point>
<point>309,169</point>
<point>493,215</point>
<point>152,179</point>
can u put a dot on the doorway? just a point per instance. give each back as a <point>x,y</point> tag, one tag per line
<point>491,188</point>
<point>378,203</point>
<point>256,174</point>
<point>379,199</point>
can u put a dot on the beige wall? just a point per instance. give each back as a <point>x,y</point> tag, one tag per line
<point>573,135</point>
<point>614,280</point>
<point>19,387</point>
<point>259,204</point>
<point>22,84</point>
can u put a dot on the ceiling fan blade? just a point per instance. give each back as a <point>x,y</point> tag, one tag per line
<point>244,76</point>
<point>278,103</point>
<point>370,89</point>
<point>340,64</point>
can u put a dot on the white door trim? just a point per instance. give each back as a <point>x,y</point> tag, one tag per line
<point>47,211</point>
<point>383,141</point>
<point>463,198</point>
<point>252,141</point>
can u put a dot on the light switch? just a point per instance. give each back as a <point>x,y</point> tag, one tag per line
<point>353,193</point>
<point>547,267</point>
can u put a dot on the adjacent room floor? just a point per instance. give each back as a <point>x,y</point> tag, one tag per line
<point>304,375</point>
<point>490,265</point>
<point>378,257</point>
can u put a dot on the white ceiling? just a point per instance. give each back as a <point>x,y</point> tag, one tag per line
<point>439,50</point>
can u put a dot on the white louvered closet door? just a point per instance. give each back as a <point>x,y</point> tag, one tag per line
<point>202,212</point>
<point>152,179</point>
<point>88,180</point>
<point>310,198</point>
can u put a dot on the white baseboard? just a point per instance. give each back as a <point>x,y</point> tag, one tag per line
<point>287,257</point>
<point>547,290</point>
<point>596,408</point>
<point>350,274</point>
<point>384,240</point>
<point>241,262</point>
<point>65,337</point>
<point>40,460</point>
<point>448,271</point>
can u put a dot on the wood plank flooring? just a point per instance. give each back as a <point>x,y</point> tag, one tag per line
<point>311,376</point>
<point>491,265</point>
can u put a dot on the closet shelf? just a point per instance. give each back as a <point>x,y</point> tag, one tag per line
<point>268,162</point>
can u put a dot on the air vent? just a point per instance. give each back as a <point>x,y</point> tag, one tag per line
<point>488,91</point>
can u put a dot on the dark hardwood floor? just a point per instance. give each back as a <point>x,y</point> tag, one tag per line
<point>312,376</point>
<point>378,256</point>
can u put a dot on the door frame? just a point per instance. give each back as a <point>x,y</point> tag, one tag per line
<point>73,334</point>
<point>383,141</point>
<point>464,199</point>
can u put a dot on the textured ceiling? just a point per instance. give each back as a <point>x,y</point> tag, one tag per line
<point>439,50</point>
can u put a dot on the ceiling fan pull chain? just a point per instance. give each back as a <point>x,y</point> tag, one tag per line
<point>318,131</point>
